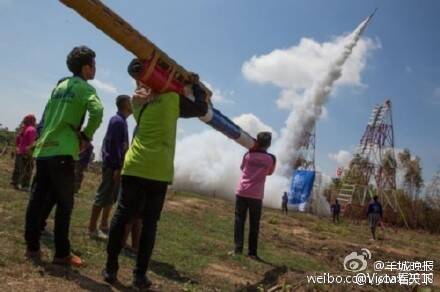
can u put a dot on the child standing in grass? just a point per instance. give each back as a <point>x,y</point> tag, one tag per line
<point>256,165</point>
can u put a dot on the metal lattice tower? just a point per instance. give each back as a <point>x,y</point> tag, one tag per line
<point>306,153</point>
<point>375,158</point>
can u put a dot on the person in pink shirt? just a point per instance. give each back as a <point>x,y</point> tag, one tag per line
<point>24,144</point>
<point>256,165</point>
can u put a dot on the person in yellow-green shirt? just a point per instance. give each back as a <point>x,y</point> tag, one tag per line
<point>148,169</point>
<point>61,139</point>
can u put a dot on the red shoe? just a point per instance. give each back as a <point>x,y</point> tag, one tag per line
<point>72,260</point>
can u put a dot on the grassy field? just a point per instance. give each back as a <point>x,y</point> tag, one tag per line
<point>191,254</point>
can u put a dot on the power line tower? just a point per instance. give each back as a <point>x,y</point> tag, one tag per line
<point>377,149</point>
<point>374,163</point>
<point>306,154</point>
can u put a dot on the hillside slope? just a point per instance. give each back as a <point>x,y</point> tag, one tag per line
<point>191,254</point>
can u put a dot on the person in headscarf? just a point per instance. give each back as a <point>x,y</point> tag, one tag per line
<point>25,143</point>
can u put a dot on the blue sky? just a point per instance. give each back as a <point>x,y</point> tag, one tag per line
<point>215,38</point>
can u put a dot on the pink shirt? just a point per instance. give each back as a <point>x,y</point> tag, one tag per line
<point>26,139</point>
<point>256,166</point>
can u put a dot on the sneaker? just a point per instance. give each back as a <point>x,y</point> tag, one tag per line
<point>141,283</point>
<point>72,260</point>
<point>109,277</point>
<point>98,234</point>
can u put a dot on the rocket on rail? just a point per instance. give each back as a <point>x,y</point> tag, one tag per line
<point>372,14</point>
<point>157,69</point>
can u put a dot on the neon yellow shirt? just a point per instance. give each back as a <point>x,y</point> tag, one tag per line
<point>63,115</point>
<point>151,154</point>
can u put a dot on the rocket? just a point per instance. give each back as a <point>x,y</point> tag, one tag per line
<point>372,14</point>
<point>155,68</point>
<point>367,21</point>
<point>370,17</point>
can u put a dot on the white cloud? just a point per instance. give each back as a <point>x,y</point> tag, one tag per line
<point>408,69</point>
<point>104,86</point>
<point>295,69</point>
<point>253,125</point>
<point>342,158</point>
<point>307,74</point>
<point>219,96</point>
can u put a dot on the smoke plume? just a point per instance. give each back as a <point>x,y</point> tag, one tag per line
<point>212,166</point>
<point>303,118</point>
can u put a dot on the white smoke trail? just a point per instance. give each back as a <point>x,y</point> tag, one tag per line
<point>303,118</point>
<point>209,163</point>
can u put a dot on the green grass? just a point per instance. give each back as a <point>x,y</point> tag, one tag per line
<point>195,234</point>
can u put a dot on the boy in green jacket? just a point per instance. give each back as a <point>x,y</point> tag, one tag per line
<point>147,171</point>
<point>57,148</point>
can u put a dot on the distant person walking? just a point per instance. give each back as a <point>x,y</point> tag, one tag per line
<point>114,146</point>
<point>24,163</point>
<point>256,165</point>
<point>374,214</point>
<point>336,210</point>
<point>61,139</point>
<point>285,200</point>
<point>147,171</point>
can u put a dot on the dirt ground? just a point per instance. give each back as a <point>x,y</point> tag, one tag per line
<point>191,253</point>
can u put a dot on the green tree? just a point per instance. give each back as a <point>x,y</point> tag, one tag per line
<point>433,188</point>
<point>358,172</point>
<point>412,179</point>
